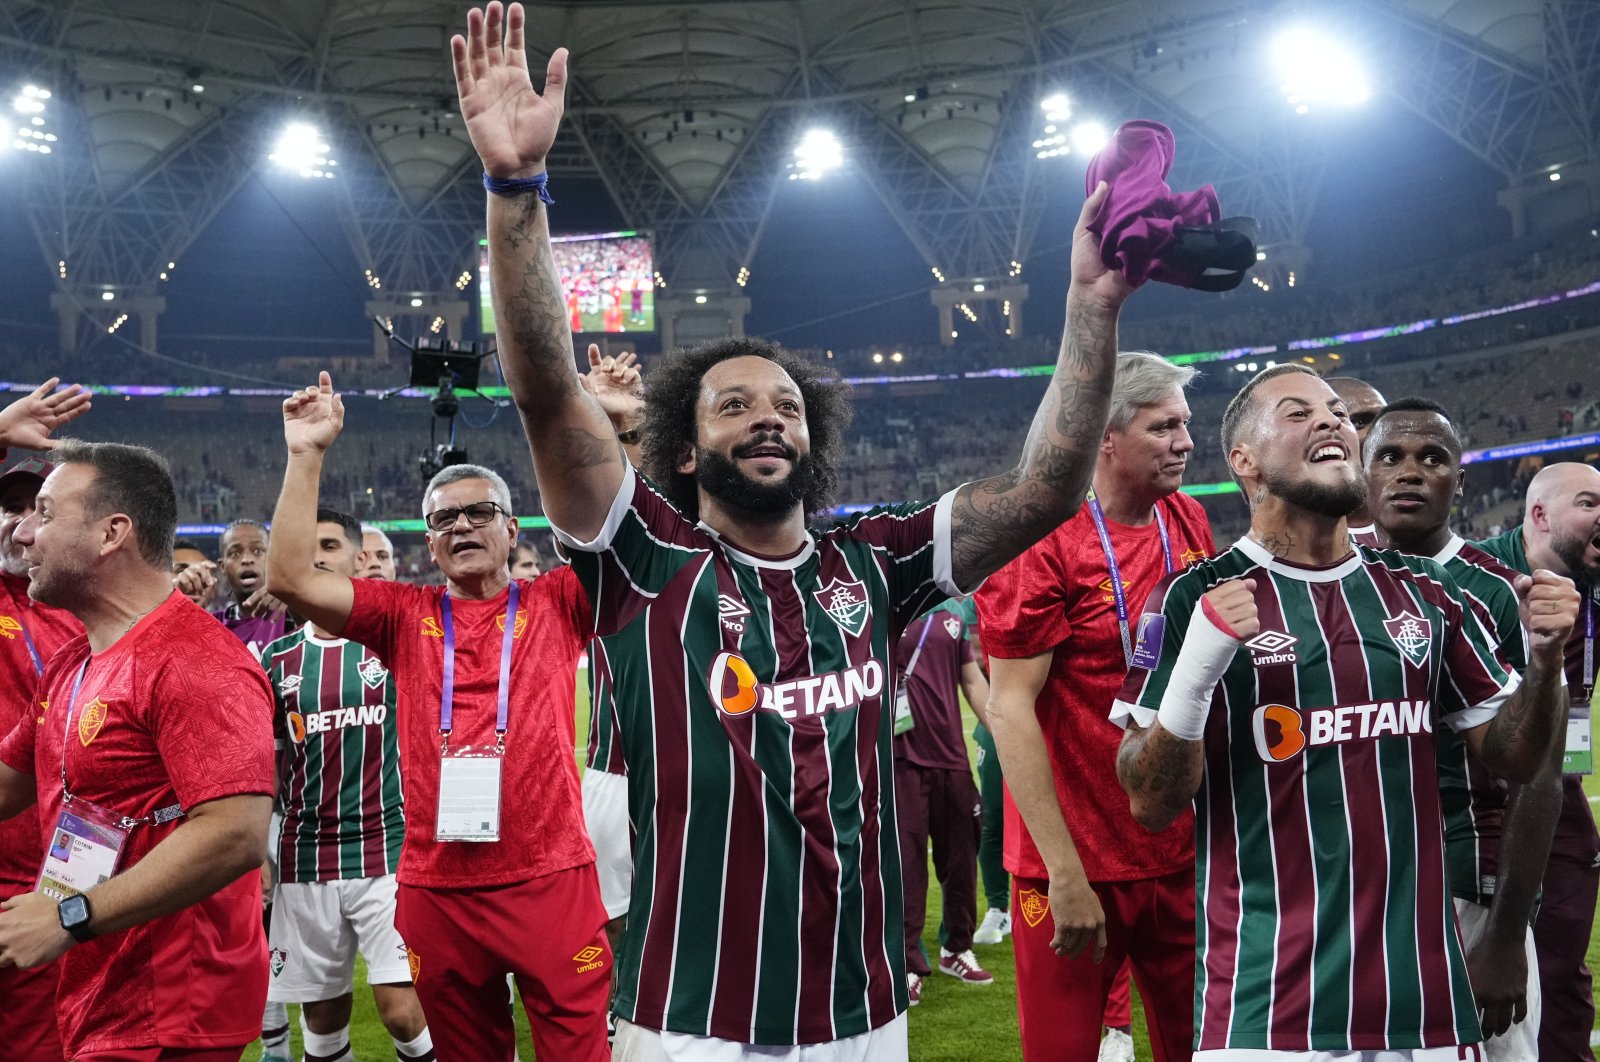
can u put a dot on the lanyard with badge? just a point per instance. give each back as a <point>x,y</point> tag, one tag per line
<point>469,776</point>
<point>87,842</point>
<point>903,719</point>
<point>33,650</point>
<point>1579,755</point>
<point>1117,595</point>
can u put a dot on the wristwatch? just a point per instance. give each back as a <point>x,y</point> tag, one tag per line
<point>75,915</point>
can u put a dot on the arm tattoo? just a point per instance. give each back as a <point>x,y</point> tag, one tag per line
<point>1160,773</point>
<point>995,519</point>
<point>539,354</point>
<point>1517,738</point>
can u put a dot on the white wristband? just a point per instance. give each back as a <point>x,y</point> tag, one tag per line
<point>1207,651</point>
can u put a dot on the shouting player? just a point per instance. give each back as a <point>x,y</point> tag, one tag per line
<point>1289,689</point>
<point>752,658</point>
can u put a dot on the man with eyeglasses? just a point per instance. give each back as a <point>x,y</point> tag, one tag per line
<point>485,669</point>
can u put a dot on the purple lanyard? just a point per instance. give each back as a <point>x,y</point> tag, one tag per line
<point>503,695</point>
<point>38,665</point>
<point>1117,595</point>
<point>1588,646</point>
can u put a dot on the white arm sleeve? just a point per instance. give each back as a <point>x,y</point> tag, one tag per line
<point>1207,651</point>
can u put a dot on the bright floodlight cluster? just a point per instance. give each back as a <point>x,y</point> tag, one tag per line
<point>301,149</point>
<point>818,154</point>
<point>1085,137</point>
<point>32,132</point>
<point>1315,69</point>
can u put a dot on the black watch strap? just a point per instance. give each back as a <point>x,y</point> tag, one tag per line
<point>75,916</point>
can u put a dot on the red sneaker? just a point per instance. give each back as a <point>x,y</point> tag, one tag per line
<point>964,967</point>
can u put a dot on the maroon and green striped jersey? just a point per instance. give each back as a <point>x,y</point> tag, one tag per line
<point>754,700</point>
<point>604,750</point>
<point>1326,922</point>
<point>1474,798</point>
<point>339,769</point>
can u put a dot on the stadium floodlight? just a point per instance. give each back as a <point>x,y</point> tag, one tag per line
<point>108,296</point>
<point>1315,68</point>
<point>818,153</point>
<point>1057,107</point>
<point>1088,137</point>
<point>301,149</point>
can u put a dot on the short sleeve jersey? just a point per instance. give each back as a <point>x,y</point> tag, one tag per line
<point>1056,598</point>
<point>30,634</point>
<point>541,819</point>
<point>1475,799</point>
<point>754,697</point>
<point>1325,919</point>
<point>339,768</point>
<point>933,687</point>
<point>1576,840</point>
<point>176,711</point>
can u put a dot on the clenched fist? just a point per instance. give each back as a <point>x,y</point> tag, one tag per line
<point>1232,607</point>
<point>1549,606</point>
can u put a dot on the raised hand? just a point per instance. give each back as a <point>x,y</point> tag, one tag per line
<point>1549,606</point>
<point>313,418</point>
<point>511,125</point>
<point>1089,274</point>
<point>617,386</point>
<point>1231,606</point>
<point>28,422</point>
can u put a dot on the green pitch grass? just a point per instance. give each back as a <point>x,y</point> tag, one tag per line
<point>955,1023</point>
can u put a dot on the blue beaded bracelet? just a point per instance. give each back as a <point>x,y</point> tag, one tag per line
<point>511,187</point>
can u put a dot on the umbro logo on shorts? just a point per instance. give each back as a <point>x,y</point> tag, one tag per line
<point>589,959</point>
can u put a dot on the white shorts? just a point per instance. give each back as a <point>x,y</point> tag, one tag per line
<point>605,813</point>
<point>317,928</point>
<point>634,1043</point>
<point>1520,1043</point>
<point>1471,1053</point>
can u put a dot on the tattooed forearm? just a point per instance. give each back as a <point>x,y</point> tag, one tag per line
<point>535,340</point>
<point>995,519</point>
<point>1517,741</point>
<point>1159,772</point>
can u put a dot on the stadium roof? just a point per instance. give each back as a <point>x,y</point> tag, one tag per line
<point>688,112</point>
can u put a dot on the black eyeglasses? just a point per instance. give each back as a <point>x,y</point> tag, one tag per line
<point>477,514</point>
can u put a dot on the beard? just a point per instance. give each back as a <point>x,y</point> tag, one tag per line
<point>11,561</point>
<point>721,478</point>
<point>1324,499</point>
<point>1570,549</point>
<point>61,586</point>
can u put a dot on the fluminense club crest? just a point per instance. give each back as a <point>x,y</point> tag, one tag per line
<point>1412,635</point>
<point>846,604</point>
<point>373,673</point>
<point>279,959</point>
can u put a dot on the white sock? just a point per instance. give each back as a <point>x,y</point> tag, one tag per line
<point>421,1048</point>
<point>325,1047</point>
<point>274,1026</point>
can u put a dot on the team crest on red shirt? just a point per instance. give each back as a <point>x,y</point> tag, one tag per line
<point>522,623</point>
<point>9,626</point>
<point>92,719</point>
<point>846,604</point>
<point>1190,556</point>
<point>1412,635</point>
<point>1035,906</point>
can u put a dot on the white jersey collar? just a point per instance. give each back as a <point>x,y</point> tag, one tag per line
<point>1331,574</point>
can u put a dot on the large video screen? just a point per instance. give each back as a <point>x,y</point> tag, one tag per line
<point>608,278</point>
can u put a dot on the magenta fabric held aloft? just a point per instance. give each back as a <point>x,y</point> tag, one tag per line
<point>1137,223</point>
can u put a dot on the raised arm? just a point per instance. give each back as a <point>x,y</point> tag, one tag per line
<point>1515,744</point>
<point>995,519</point>
<point>576,456</point>
<point>312,419</point>
<point>28,422</point>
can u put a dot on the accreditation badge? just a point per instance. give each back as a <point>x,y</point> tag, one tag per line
<point>1579,755</point>
<point>469,794</point>
<point>85,848</point>
<point>903,719</point>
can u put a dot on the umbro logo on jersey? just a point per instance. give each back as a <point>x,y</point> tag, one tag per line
<point>431,628</point>
<point>731,611</point>
<point>1282,733</point>
<point>1272,647</point>
<point>736,690</point>
<point>9,627</point>
<point>91,721</point>
<point>522,624</point>
<point>1109,597</point>
<point>289,685</point>
<point>1412,635</point>
<point>373,673</point>
<point>589,959</point>
<point>846,604</point>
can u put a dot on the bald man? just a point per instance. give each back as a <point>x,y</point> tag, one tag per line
<point>1561,532</point>
<point>1363,402</point>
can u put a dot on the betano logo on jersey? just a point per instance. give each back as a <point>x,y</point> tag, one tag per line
<point>335,719</point>
<point>91,721</point>
<point>737,691</point>
<point>846,604</point>
<point>9,627</point>
<point>1282,733</point>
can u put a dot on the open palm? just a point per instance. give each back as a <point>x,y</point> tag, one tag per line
<point>28,422</point>
<point>313,417</point>
<point>511,125</point>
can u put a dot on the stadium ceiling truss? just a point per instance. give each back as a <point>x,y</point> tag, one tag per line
<point>689,113</point>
